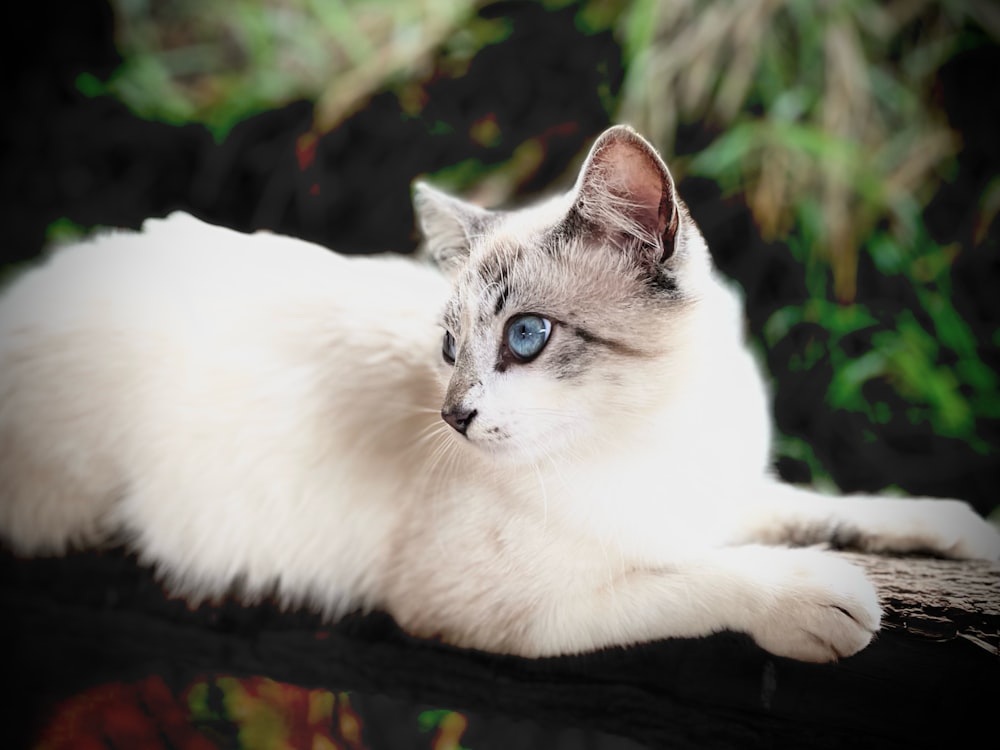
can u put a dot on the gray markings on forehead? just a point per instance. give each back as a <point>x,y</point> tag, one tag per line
<point>494,272</point>
<point>502,292</point>
<point>501,299</point>
<point>573,225</point>
<point>661,280</point>
<point>496,266</point>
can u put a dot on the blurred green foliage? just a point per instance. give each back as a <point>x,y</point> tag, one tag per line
<point>936,369</point>
<point>824,110</point>
<point>821,115</point>
<point>220,61</point>
<point>448,725</point>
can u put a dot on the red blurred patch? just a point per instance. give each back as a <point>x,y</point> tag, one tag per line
<point>305,149</point>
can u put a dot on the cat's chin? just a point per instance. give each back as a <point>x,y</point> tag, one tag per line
<point>509,451</point>
<point>498,451</point>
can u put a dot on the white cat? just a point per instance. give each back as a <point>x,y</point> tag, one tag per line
<point>257,411</point>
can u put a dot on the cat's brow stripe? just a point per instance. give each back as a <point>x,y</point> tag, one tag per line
<point>616,346</point>
<point>501,299</point>
<point>494,268</point>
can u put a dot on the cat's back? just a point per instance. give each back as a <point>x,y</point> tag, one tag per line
<point>185,371</point>
<point>182,266</point>
<point>182,288</point>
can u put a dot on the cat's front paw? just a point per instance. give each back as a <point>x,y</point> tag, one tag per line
<point>959,532</point>
<point>822,610</point>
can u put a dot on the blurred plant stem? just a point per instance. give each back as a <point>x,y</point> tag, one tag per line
<point>400,46</point>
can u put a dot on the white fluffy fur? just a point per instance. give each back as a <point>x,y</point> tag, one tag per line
<point>255,410</point>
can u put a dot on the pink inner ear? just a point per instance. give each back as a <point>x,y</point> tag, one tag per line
<point>629,173</point>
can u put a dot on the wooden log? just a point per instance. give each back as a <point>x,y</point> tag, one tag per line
<point>938,599</point>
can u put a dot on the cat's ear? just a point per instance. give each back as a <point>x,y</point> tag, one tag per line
<point>447,224</point>
<point>625,192</point>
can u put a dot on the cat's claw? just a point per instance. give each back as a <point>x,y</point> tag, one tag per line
<point>827,612</point>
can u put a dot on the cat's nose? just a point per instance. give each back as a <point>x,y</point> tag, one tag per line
<point>460,419</point>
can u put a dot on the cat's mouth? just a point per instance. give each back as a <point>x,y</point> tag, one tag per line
<point>502,448</point>
<point>472,428</point>
<point>487,438</point>
<point>494,440</point>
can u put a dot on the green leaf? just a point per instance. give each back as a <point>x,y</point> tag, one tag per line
<point>429,720</point>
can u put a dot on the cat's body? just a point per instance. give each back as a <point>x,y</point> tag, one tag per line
<point>255,410</point>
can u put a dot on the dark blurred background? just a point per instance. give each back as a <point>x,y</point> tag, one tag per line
<point>841,159</point>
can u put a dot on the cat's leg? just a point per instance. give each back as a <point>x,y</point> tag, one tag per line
<point>783,514</point>
<point>802,604</point>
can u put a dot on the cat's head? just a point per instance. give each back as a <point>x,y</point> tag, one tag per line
<point>568,320</point>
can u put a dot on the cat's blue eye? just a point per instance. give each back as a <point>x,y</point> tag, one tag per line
<point>448,348</point>
<point>527,335</point>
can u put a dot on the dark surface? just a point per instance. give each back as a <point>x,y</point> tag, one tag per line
<point>94,618</point>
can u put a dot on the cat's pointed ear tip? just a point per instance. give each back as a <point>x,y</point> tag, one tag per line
<point>623,135</point>
<point>621,132</point>
<point>422,193</point>
<point>420,188</point>
<point>621,128</point>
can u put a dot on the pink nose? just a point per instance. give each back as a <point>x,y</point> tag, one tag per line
<point>460,419</point>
